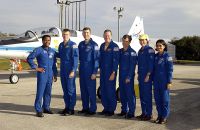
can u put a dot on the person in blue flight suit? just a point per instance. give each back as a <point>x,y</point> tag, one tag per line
<point>89,63</point>
<point>145,68</point>
<point>46,71</point>
<point>68,54</point>
<point>109,60</point>
<point>162,81</point>
<point>127,63</point>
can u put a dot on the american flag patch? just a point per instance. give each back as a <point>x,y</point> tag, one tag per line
<point>96,48</point>
<point>151,51</point>
<point>74,46</point>
<point>116,49</point>
<point>170,58</point>
<point>133,54</point>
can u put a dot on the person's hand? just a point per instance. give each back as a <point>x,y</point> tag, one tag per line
<point>127,81</point>
<point>54,78</point>
<point>40,70</point>
<point>93,77</point>
<point>169,86</point>
<point>112,76</point>
<point>71,75</point>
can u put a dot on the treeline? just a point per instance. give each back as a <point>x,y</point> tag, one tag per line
<point>4,35</point>
<point>187,48</point>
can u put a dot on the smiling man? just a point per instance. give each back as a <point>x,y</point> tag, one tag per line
<point>89,63</point>
<point>68,54</point>
<point>109,60</point>
<point>46,70</point>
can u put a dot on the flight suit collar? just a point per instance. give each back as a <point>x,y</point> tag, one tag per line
<point>45,48</point>
<point>146,46</point>
<point>67,44</point>
<point>164,53</point>
<point>89,42</point>
<point>127,49</point>
<point>110,44</point>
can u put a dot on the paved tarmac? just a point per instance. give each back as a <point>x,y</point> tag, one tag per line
<point>17,113</point>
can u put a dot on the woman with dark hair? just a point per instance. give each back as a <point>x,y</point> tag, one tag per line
<point>162,80</point>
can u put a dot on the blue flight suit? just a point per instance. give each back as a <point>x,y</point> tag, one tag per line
<point>145,65</point>
<point>109,60</point>
<point>46,58</point>
<point>127,63</point>
<point>162,76</point>
<point>68,55</point>
<point>89,63</point>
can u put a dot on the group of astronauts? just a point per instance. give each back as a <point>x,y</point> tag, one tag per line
<point>153,69</point>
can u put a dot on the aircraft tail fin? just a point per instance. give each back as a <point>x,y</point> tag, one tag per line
<point>137,29</point>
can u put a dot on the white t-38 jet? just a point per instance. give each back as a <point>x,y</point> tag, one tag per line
<point>18,48</point>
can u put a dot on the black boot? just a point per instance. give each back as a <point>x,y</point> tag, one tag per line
<point>122,114</point>
<point>64,111</point>
<point>48,111</point>
<point>110,113</point>
<point>157,120</point>
<point>89,113</point>
<point>103,112</point>
<point>163,121</point>
<point>83,111</point>
<point>129,116</point>
<point>39,114</point>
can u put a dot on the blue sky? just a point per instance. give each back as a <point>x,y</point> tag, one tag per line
<point>162,18</point>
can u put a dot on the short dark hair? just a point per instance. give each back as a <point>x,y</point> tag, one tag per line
<point>65,30</point>
<point>45,36</point>
<point>107,30</point>
<point>127,36</point>
<point>87,28</point>
<point>161,41</point>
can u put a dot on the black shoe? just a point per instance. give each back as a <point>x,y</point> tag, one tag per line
<point>64,111</point>
<point>70,112</point>
<point>39,114</point>
<point>140,117</point>
<point>163,121</point>
<point>122,114</point>
<point>84,111</point>
<point>103,112</point>
<point>48,111</point>
<point>147,118</point>
<point>89,113</point>
<point>129,116</point>
<point>157,120</point>
<point>109,114</point>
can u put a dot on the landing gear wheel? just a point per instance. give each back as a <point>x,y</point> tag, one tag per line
<point>14,78</point>
<point>99,92</point>
<point>118,94</point>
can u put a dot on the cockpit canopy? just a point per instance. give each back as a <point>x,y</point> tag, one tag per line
<point>32,35</point>
<point>39,32</point>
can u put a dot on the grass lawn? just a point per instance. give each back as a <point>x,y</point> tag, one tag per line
<point>5,64</point>
<point>187,62</point>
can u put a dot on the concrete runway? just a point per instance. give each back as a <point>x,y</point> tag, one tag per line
<point>17,113</point>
